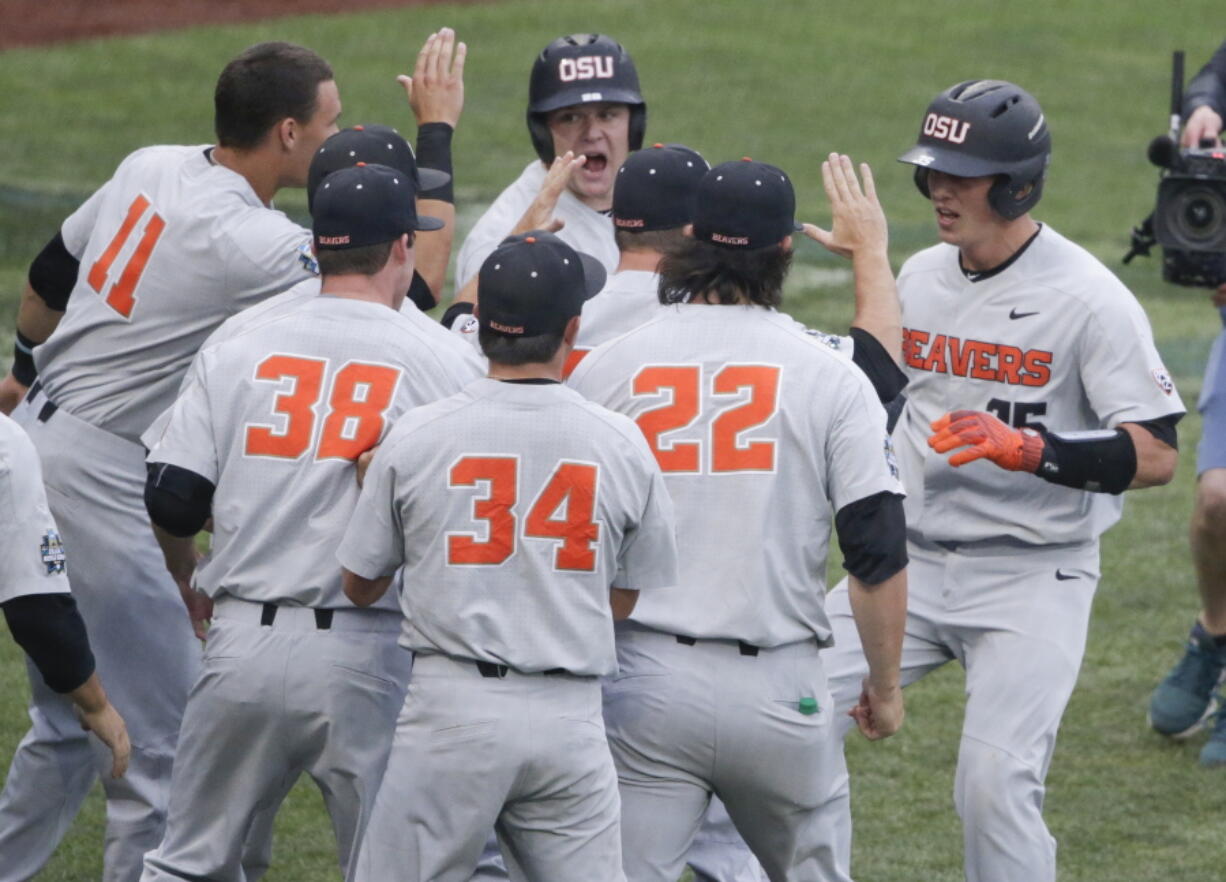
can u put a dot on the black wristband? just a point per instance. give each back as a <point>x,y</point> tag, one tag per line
<point>434,151</point>
<point>24,370</point>
<point>454,311</point>
<point>1101,462</point>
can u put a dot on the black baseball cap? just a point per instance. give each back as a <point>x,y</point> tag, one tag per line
<point>366,205</point>
<point>371,144</point>
<point>655,188</point>
<point>534,284</point>
<point>744,204</point>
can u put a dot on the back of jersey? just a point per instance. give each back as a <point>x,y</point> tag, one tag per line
<point>275,417</point>
<point>514,508</point>
<point>763,433</point>
<point>169,248</point>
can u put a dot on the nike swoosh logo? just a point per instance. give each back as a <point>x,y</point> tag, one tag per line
<point>1014,314</point>
<point>1064,577</point>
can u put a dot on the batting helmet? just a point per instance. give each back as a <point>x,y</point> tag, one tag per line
<point>582,69</point>
<point>986,127</point>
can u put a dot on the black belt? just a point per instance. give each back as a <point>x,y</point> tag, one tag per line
<point>489,669</point>
<point>746,648</point>
<point>49,406</point>
<point>268,615</point>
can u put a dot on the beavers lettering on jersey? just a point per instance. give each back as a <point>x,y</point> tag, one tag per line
<point>977,359</point>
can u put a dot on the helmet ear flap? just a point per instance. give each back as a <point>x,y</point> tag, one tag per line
<point>638,125</point>
<point>921,181</point>
<point>542,138</point>
<point>1011,200</point>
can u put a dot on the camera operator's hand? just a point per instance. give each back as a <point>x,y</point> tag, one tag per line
<point>1219,296</point>
<point>1205,122</point>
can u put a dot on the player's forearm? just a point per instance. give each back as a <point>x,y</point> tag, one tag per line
<point>363,591</point>
<point>433,248</point>
<point>89,696</point>
<point>179,552</point>
<point>880,612</point>
<point>1156,460</point>
<point>877,308</point>
<point>622,601</point>
<point>35,319</point>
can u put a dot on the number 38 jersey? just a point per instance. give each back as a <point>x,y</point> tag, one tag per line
<point>1053,340</point>
<point>169,247</point>
<point>275,416</point>
<point>763,433</point>
<point>514,507</point>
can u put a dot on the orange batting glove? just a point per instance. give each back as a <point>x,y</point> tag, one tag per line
<point>986,437</point>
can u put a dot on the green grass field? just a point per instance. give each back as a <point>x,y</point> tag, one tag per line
<point>785,82</point>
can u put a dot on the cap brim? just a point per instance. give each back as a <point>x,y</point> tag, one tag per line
<point>430,179</point>
<point>950,162</point>
<point>580,95</point>
<point>594,275</point>
<point>425,223</point>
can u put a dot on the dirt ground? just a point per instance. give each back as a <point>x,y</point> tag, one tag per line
<point>35,22</point>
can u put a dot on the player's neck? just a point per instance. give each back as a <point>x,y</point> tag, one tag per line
<point>352,286</point>
<point>639,261</point>
<point>1004,241</point>
<point>261,173</point>
<point>536,371</point>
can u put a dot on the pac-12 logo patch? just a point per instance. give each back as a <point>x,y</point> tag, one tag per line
<point>306,257</point>
<point>1163,379</point>
<point>52,552</point>
<point>891,460</point>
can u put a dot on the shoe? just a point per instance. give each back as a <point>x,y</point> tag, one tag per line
<point>1182,703</point>
<point>1214,751</point>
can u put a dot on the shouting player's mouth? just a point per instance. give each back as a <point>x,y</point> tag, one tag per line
<point>595,163</point>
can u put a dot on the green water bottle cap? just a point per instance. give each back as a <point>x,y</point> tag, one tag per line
<point>808,705</point>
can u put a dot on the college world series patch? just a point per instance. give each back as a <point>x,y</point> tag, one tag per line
<point>1164,381</point>
<point>891,460</point>
<point>52,552</point>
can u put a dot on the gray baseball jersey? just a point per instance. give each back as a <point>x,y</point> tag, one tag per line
<point>169,247</point>
<point>275,415</point>
<point>30,545</point>
<point>1057,341</point>
<point>758,426</point>
<point>586,229</point>
<point>513,508</point>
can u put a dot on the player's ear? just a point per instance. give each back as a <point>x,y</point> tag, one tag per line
<point>688,231</point>
<point>570,334</point>
<point>287,133</point>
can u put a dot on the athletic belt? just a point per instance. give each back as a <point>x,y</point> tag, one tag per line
<point>305,618</point>
<point>489,669</point>
<point>49,407</point>
<point>746,648</point>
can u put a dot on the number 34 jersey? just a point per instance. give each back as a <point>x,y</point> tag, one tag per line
<point>763,433</point>
<point>1053,340</point>
<point>170,247</point>
<point>275,416</point>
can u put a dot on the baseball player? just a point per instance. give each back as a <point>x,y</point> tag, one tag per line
<point>1184,700</point>
<point>767,439</point>
<point>526,519</point>
<point>264,440</point>
<point>178,239</point>
<point>583,99</point>
<point>1049,367</point>
<point>38,608</point>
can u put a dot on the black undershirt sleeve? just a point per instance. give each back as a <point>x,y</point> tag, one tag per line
<point>1163,428</point>
<point>421,295</point>
<point>454,312</point>
<point>50,630</point>
<point>54,273</point>
<point>882,371</point>
<point>873,535</point>
<point>178,500</point>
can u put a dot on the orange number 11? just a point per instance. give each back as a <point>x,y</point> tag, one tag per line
<point>121,296</point>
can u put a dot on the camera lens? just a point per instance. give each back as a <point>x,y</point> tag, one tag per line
<point>1198,217</point>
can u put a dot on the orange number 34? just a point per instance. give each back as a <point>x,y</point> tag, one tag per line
<point>570,489</point>
<point>361,394</point>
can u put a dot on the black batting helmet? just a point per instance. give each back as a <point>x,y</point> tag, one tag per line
<point>986,127</point>
<point>582,69</point>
